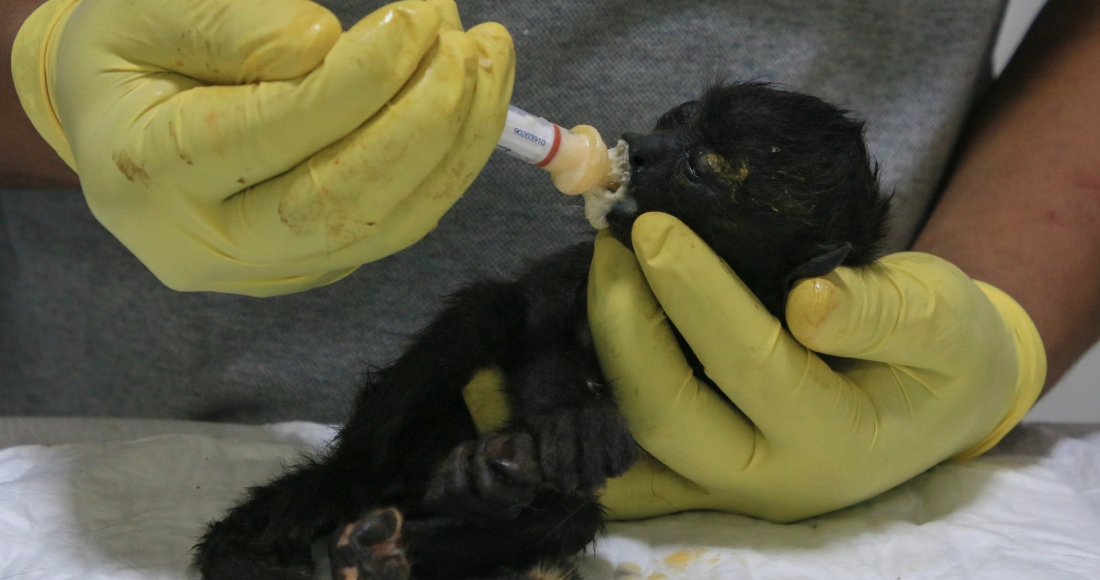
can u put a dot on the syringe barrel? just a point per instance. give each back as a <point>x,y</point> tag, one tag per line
<point>577,159</point>
<point>530,138</point>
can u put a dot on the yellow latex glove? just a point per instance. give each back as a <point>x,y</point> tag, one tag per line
<point>254,148</point>
<point>941,366</point>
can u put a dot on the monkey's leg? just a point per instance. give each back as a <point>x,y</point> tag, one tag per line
<point>383,546</point>
<point>554,526</point>
<point>483,513</point>
<point>269,535</point>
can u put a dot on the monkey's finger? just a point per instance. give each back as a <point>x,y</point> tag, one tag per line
<point>453,478</point>
<point>779,384</point>
<point>672,415</point>
<point>507,455</point>
<point>484,480</point>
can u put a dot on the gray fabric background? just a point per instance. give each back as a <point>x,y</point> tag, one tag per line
<point>86,330</point>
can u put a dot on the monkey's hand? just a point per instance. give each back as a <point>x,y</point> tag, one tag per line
<point>580,448</point>
<point>936,366</point>
<point>579,443</point>
<point>254,147</point>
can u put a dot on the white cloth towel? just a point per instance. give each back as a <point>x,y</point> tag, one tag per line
<point>126,499</point>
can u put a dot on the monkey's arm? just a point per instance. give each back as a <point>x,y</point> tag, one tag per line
<point>1022,211</point>
<point>25,158</point>
<point>557,392</point>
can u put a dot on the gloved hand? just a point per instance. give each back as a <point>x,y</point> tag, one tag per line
<point>940,366</point>
<point>253,147</point>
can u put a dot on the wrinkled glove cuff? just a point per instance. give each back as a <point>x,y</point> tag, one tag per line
<point>1032,368</point>
<point>33,59</point>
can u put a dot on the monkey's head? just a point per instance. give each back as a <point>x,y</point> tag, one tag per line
<point>778,183</point>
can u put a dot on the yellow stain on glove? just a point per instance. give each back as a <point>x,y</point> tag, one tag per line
<point>254,147</point>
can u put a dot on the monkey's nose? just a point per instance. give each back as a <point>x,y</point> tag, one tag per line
<point>649,149</point>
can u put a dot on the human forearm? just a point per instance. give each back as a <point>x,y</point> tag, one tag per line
<point>1022,209</point>
<point>25,158</point>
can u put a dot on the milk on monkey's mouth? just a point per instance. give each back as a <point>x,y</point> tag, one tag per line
<point>611,191</point>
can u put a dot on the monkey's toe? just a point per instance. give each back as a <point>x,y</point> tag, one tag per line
<point>370,549</point>
<point>492,478</point>
<point>510,457</point>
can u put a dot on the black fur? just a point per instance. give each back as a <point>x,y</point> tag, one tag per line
<point>779,184</point>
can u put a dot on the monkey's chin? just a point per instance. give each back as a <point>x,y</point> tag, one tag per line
<point>620,220</point>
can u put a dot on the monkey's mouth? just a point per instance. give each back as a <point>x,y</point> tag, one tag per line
<point>612,205</point>
<point>599,201</point>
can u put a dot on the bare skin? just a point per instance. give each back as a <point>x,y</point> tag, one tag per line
<point>26,161</point>
<point>1022,209</point>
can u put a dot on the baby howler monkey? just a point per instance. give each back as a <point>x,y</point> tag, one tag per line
<point>778,183</point>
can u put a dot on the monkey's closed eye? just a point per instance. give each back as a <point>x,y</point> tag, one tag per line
<point>704,164</point>
<point>679,117</point>
<point>692,166</point>
<point>708,168</point>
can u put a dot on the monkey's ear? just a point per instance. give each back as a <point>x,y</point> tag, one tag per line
<point>820,260</point>
<point>823,258</point>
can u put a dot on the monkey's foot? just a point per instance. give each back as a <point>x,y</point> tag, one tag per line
<point>492,478</point>
<point>370,549</point>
